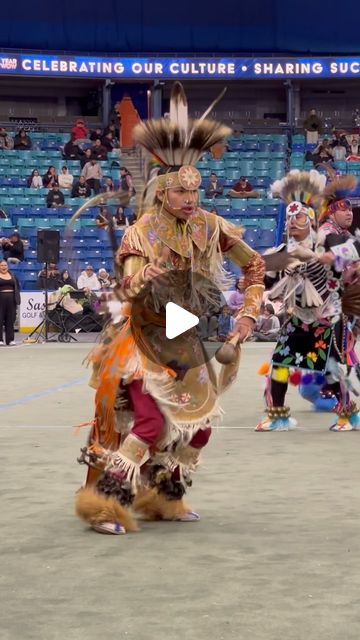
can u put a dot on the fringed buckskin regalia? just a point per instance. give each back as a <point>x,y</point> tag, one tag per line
<point>156,399</point>
<point>316,337</point>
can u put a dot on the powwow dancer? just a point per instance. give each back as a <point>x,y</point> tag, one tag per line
<point>155,398</point>
<point>315,338</point>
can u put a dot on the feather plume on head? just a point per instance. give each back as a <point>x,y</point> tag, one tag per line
<point>338,190</point>
<point>303,189</point>
<point>177,141</point>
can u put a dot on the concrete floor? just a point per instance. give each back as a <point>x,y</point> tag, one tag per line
<point>275,556</point>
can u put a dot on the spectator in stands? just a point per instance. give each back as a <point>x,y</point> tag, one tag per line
<point>35,180</point>
<point>79,132</point>
<point>65,178</point>
<point>99,151</point>
<point>13,248</point>
<point>49,278</point>
<point>86,157</point>
<point>96,135</point>
<point>126,182</point>
<point>88,280</point>
<point>107,141</point>
<point>66,279</point>
<point>243,189</point>
<point>339,151</point>
<point>267,327</point>
<point>104,279</point>
<point>9,300</point>
<point>213,188</point>
<point>312,126</point>
<point>226,324</point>
<point>354,146</point>
<point>55,197</point>
<point>71,151</point>
<point>50,178</point>
<point>322,155</point>
<point>115,132</point>
<point>108,186</point>
<point>22,141</point>
<point>6,141</point>
<point>102,219</point>
<point>236,299</point>
<point>80,189</point>
<point>119,219</point>
<point>93,175</point>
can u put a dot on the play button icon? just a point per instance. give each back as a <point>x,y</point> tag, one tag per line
<point>171,319</point>
<point>178,320</point>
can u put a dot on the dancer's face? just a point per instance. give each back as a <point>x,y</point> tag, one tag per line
<point>344,218</point>
<point>298,227</point>
<point>180,202</point>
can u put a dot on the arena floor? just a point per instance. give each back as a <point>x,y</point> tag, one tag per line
<point>275,555</point>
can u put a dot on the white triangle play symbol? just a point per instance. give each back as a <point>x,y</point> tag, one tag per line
<point>178,320</point>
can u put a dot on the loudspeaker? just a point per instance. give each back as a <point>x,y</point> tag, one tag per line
<point>48,245</point>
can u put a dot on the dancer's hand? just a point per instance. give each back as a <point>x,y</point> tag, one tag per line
<point>326,258</point>
<point>157,268</point>
<point>243,328</point>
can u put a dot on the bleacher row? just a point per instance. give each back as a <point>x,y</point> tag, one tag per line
<point>261,159</point>
<point>298,159</point>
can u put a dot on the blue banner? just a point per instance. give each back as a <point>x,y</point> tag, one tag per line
<point>23,64</point>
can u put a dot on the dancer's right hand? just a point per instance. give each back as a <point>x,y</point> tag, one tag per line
<point>159,267</point>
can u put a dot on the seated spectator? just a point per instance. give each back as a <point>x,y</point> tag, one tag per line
<point>226,324</point>
<point>93,175</point>
<point>243,189</point>
<point>50,178</point>
<point>126,182</point>
<point>96,135</point>
<point>65,178</point>
<point>119,219</point>
<point>35,180</point>
<point>88,280</point>
<point>79,132</point>
<point>354,147</point>
<point>267,327</point>
<point>322,155</point>
<point>86,157</point>
<point>104,279</point>
<point>111,128</point>
<point>49,278</point>
<point>99,151</point>
<point>66,279</point>
<point>236,299</point>
<point>213,187</point>
<point>80,189</point>
<point>208,324</point>
<point>109,186</point>
<point>71,151</point>
<point>6,141</point>
<point>55,198</point>
<point>102,219</point>
<point>107,141</point>
<point>13,248</point>
<point>339,151</point>
<point>22,141</point>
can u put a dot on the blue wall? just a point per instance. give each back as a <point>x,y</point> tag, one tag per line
<point>194,26</point>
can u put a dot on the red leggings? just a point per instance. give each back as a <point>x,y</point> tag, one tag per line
<point>150,422</point>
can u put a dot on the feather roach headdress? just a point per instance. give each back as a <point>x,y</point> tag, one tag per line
<point>336,195</point>
<point>175,145</point>
<point>302,192</point>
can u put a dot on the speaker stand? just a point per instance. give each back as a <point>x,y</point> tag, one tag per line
<point>42,330</point>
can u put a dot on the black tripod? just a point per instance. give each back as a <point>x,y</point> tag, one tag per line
<point>42,330</point>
